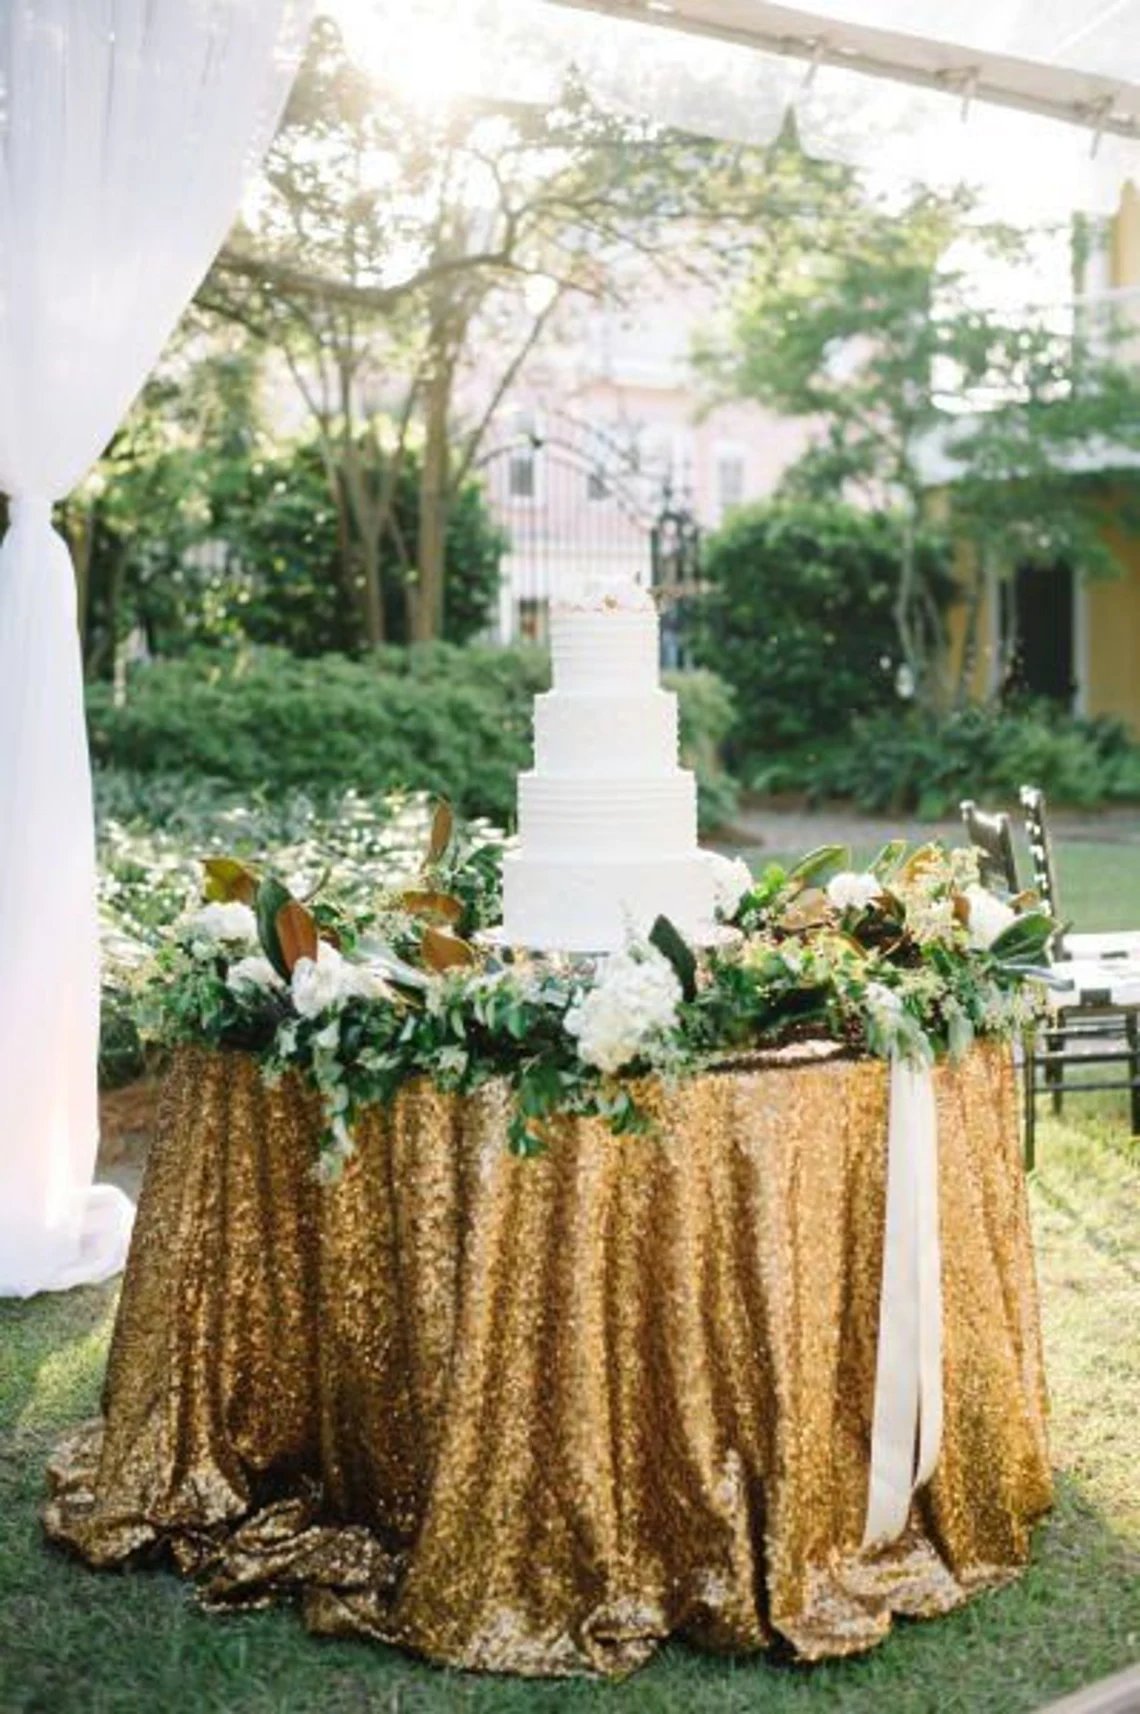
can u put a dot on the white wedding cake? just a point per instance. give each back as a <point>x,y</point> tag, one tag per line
<point>607,818</point>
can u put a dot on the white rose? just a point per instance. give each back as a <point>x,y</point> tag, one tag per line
<point>851,891</point>
<point>316,982</point>
<point>988,916</point>
<point>252,972</point>
<point>732,878</point>
<point>635,998</point>
<point>230,922</point>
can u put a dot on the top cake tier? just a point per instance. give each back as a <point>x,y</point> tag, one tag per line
<point>604,649</point>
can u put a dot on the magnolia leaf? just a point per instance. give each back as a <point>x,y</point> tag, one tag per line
<point>228,880</point>
<point>819,865</point>
<point>672,945</point>
<point>296,934</point>
<point>809,909</point>
<point>923,858</point>
<point>889,859</point>
<point>431,904</point>
<point>442,828</point>
<point>442,951</point>
<point>1026,937</point>
<point>270,900</point>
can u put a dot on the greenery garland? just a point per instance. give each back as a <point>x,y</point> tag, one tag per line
<point>911,956</point>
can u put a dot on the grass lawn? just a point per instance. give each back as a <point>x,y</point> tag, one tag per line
<point>77,1642</point>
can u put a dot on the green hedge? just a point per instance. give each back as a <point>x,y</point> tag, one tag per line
<point>434,718</point>
<point>798,617</point>
<point>911,762</point>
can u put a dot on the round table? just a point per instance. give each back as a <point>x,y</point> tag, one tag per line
<point>537,1415</point>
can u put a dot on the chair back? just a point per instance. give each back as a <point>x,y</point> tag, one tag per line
<point>1041,850</point>
<point>991,836</point>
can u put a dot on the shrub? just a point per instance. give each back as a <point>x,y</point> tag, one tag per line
<point>455,722</point>
<point>798,617</point>
<point>915,762</point>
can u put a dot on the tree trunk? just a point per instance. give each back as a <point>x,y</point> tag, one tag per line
<point>427,604</point>
<point>373,591</point>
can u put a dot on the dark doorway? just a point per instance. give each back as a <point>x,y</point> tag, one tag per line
<point>1037,622</point>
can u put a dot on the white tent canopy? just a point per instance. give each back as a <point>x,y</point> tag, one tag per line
<point>1038,100</point>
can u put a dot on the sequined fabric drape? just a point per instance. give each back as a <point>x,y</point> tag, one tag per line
<point>537,1415</point>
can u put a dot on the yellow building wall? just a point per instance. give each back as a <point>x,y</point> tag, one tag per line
<point>1112,639</point>
<point>1107,629</point>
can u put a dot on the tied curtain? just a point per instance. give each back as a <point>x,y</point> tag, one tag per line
<point>127,131</point>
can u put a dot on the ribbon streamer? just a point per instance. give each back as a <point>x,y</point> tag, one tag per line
<point>907,1429</point>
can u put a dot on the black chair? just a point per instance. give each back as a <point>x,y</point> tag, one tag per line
<point>991,835</point>
<point>1088,1028</point>
<point>1113,943</point>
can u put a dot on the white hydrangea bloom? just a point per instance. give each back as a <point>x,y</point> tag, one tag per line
<point>234,923</point>
<point>635,998</point>
<point>988,916</point>
<point>252,972</point>
<point>732,878</point>
<point>853,891</point>
<point>321,983</point>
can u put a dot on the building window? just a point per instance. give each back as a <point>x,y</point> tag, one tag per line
<point>533,619</point>
<point>729,482</point>
<point>522,475</point>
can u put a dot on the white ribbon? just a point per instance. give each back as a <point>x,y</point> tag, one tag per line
<point>907,1431</point>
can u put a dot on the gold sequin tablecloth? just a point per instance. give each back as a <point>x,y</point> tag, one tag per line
<point>537,1415</point>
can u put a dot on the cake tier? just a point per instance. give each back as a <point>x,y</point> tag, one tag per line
<point>591,905</point>
<point>604,649</point>
<point>608,818</point>
<point>631,736</point>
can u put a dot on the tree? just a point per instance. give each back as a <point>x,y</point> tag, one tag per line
<point>866,321</point>
<point>406,266</point>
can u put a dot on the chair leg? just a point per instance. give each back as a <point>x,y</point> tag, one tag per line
<point>1054,1072</point>
<point>1029,1073</point>
<point>1132,1032</point>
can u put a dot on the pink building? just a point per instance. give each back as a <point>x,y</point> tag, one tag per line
<point>604,423</point>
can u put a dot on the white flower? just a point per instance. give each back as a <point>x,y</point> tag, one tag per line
<point>988,916</point>
<point>230,922</point>
<point>252,972</point>
<point>732,878</point>
<point>634,999</point>
<point>883,1002</point>
<point>851,891</point>
<point>321,983</point>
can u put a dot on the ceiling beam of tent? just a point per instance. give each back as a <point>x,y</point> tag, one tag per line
<point>1032,86</point>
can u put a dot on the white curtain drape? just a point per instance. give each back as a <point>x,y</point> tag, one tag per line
<point>127,130</point>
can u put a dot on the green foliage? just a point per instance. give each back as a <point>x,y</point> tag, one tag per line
<point>154,833</point>
<point>892,763</point>
<point>201,539</point>
<point>451,722</point>
<point>284,574</point>
<point>455,722</point>
<point>865,322</point>
<point>798,618</point>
